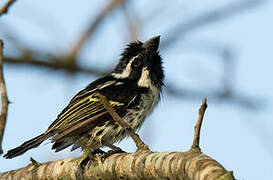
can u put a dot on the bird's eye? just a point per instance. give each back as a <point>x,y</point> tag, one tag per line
<point>136,63</point>
<point>123,60</point>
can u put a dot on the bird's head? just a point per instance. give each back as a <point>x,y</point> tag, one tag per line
<point>141,62</point>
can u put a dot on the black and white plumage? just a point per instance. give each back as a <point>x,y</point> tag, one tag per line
<point>133,89</point>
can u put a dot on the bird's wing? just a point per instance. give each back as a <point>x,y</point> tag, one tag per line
<point>85,110</point>
<point>88,107</point>
<point>83,116</point>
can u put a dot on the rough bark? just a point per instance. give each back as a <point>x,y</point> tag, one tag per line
<point>191,165</point>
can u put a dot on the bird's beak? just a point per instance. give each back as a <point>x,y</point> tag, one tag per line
<point>152,44</point>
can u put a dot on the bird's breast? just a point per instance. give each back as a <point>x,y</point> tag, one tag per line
<point>136,116</point>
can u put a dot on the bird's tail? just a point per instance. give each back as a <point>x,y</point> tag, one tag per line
<point>32,143</point>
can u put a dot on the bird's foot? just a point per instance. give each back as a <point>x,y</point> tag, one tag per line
<point>111,152</point>
<point>85,157</point>
<point>98,151</point>
<point>88,156</point>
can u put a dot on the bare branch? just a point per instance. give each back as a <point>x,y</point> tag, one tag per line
<point>5,8</point>
<point>197,128</point>
<point>163,165</point>
<point>4,99</point>
<point>91,29</point>
<point>141,146</point>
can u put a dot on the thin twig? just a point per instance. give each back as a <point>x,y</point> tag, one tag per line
<point>93,26</point>
<point>139,143</point>
<point>4,99</point>
<point>197,127</point>
<point>6,7</point>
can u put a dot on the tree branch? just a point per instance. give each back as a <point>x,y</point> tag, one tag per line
<point>6,7</point>
<point>4,99</point>
<point>190,165</point>
<point>162,165</point>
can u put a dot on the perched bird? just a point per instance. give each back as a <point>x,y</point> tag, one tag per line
<point>133,89</point>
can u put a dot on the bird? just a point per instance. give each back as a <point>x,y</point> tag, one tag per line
<point>132,88</point>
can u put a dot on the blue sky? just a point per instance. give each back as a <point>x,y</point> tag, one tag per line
<point>239,138</point>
